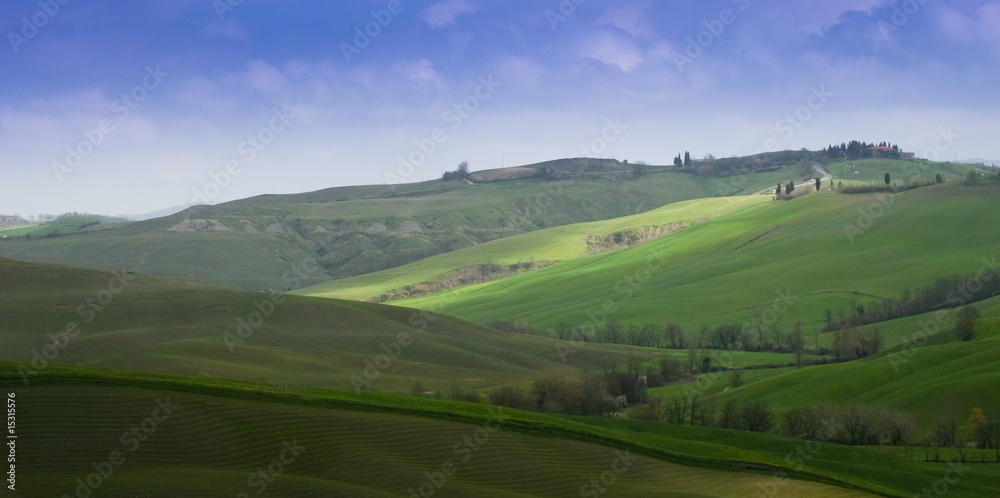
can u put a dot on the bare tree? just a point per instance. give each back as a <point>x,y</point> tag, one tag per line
<point>755,416</point>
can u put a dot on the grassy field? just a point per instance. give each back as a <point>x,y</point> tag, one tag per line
<point>821,251</point>
<point>308,394</point>
<point>555,244</point>
<point>928,382</point>
<point>50,229</point>
<point>356,230</point>
<point>212,435</point>
<point>872,171</point>
<point>168,326</point>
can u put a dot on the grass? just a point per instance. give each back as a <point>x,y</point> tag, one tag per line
<point>715,272</point>
<point>169,326</point>
<point>340,227</point>
<point>928,382</point>
<point>221,432</point>
<point>555,244</point>
<point>872,171</point>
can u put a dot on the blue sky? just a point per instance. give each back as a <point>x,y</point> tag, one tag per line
<point>132,106</point>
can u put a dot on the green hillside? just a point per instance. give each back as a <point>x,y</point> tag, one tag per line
<point>166,326</point>
<point>551,245</point>
<point>171,387</point>
<point>356,230</point>
<point>207,438</point>
<point>824,250</point>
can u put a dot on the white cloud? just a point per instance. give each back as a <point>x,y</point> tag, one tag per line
<point>265,78</point>
<point>421,72</point>
<point>443,14</point>
<point>633,19</point>
<point>613,50</point>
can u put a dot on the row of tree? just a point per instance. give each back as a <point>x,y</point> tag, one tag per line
<point>860,150</point>
<point>461,173</point>
<point>950,292</point>
<point>563,391</point>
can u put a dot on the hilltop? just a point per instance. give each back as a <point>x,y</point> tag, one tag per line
<point>351,231</point>
<point>824,250</point>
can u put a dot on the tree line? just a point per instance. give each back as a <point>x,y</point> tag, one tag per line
<point>945,293</point>
<point>854,150</point>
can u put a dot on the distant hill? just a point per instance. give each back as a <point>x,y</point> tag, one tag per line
<point>250,244</point>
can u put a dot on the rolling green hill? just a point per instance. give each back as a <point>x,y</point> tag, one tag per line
<point>155,325</point>
<point>193,437</point>
<point>249,244</point>
<point>176,388</point>
<point>554,244</point>
<point>824,250</point>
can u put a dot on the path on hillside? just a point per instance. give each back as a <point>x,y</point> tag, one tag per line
<point>821,170</point>
<point>818,167</point>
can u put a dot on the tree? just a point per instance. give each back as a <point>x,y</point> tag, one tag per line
<point>939,178</point>
<point>966,326</point>
<point>945,432</point>
<point>755,416</point>
<point>687,158</point>
<point>980,428</point>
<point>737,377</point>
<point>678,161</point>
<point>463,169</point>
<point>790,187</point>
<point>797,342</point>
<point>674,335</point>
<point>778,190</point>
<point>887,179</point>
<point>819,182</point>
<point>671,368</point>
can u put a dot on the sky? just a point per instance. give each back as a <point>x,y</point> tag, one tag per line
<point>126,107</point>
